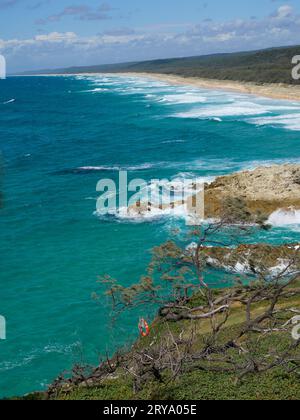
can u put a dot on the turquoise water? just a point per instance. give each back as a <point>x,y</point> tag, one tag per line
<point>58,138</point>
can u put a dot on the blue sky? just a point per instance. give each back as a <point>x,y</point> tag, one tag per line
<point>38,34</point>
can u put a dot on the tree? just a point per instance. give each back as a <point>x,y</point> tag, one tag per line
<point>183,272</point>
<point>178,281</point>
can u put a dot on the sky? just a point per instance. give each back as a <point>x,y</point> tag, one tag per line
<point>40,34</point>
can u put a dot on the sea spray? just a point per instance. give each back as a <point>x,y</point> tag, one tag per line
<point>288,217</point>
<point>149,200</point>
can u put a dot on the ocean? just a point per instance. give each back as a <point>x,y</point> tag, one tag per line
<point>58,137</point>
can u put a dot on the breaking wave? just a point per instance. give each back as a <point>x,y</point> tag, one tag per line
<point>288,217</point>
<point>200,103</point>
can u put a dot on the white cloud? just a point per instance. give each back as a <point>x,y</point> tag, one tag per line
<point>57,49</point>
<point>284,11</point>
<point>57,37</point>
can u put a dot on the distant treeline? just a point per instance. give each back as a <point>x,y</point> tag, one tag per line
<point>265,66</point>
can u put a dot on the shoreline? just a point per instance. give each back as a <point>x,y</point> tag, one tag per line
<point>279,91</point>
<point>112,384</point>
<point>272,90</point>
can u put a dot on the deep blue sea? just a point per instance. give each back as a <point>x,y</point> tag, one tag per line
<point>58,137</point>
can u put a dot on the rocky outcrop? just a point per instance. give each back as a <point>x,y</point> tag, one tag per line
<point>264,190</point>
<point>248,196</point>
<point>254,259</point>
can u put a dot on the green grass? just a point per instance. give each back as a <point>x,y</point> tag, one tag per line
<point>198,385</point>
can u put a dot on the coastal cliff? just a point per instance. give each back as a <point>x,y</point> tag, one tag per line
<point>113,380</point>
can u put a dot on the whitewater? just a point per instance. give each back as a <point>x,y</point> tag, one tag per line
<point>58,137</point>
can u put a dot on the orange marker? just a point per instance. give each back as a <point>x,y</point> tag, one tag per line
<point>144,328</point>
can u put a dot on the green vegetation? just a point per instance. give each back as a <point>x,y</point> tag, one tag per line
<point>265,66</point>
<point>198,384</point>
<point>273,353</point>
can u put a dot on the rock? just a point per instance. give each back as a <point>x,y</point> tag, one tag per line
<point>264,190</point>
<point>258,193</point>
<point>254,258</point>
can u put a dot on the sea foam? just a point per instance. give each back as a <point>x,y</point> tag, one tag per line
<point>201,103</point>
<point>185,98</point>
<point>288,121</point>
<point>287,217</point>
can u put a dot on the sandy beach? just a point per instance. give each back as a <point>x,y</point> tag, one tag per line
<point>274,90</point>
<point>268,90</point>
